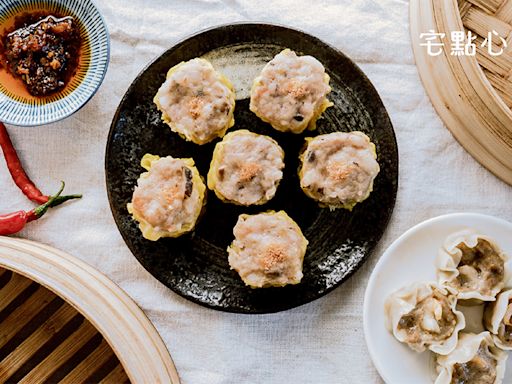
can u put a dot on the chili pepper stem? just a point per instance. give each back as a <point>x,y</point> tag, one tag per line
<point>37,212</point>
<point>62,199</point>
<point>16,221</point>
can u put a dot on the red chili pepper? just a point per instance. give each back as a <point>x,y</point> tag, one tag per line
<point>13,222</point>
<point>16,221</point>
<point>18,174</point>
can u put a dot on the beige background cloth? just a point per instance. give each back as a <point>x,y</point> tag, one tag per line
<point>321,342</point>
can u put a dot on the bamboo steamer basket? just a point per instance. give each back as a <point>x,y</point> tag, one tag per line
<point>472,94</point>
<point>63,321</point>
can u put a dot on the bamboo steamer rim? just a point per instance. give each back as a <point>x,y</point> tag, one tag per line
<point>115,315</point>
<point>460,92</point>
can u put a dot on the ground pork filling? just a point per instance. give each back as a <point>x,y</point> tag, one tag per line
<point>505,327</point>
<point>432,320</point>
<point>268,250</point>
<point>248,168</point>
<point>338,169</point>
<point>290,92</point>
<point>166,198</point>
<point>480,269</point>
<point>481,369</point>
<point>197,101</point>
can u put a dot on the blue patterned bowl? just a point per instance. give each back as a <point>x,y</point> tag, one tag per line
<point>22,109</point>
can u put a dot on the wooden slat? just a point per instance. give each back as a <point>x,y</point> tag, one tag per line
<point>490,6</point>
<point>116,376</point>
<point>464,6</point>
<point>35,341</point>
<point>81,373</point>
<point>12,289</point>
<point>5,276</point>
<point>502,86</point>
<point>499,65</point>
<point>24,313</point>
<point>61,354</point>
<point>135,343</point>
<point>482,23</point>
<point>482,17</point>
<point>506,97</point>
<point>504,13</point>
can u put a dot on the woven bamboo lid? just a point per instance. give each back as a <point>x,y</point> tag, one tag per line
<point>472,94</point>
<point>61,320</point>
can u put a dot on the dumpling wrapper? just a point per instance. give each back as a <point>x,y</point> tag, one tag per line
<point>268,250</point>
<point>467,349</point>
<point>246,168</point>
<point>405,300</point>
<point>498,317</point>
<point>197,102</point>
<point>448,270</point>
<point>291,92</point>
<point>153,233</point>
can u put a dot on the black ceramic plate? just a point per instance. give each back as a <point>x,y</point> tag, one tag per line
<point>196,265</point>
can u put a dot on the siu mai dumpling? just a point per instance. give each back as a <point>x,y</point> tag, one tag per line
<point>246,168</point>
<point>268,250</point>
<point>168,198</point>
<point>423,315</point>
<point>291,92</point>
<point>475,360</point>
<point>473,265</point>
<point>196,101</point>
<point>338,169</point>
<point>498,320</point>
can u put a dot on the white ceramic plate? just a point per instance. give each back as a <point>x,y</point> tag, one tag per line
<point>411,258</point>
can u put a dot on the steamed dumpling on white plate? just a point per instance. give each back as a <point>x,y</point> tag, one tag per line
<point>423,315</point>
<point>475,360</point>
<point>498,320</point>
<point>473,265</point>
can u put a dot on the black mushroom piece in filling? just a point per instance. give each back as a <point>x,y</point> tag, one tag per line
<point>188,182</point>
<point>507,334</point>
<point>45,54</point>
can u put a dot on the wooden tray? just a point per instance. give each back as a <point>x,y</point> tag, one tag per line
<point>62,321</point>
<point>472,94</point>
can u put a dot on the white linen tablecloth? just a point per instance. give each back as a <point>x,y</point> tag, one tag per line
<point>321,342</point>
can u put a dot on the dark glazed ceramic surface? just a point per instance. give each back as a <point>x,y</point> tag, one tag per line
<point>195,265</point>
